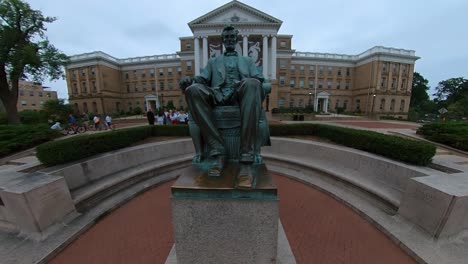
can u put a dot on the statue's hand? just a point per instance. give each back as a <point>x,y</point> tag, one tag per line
<point>185,82</point>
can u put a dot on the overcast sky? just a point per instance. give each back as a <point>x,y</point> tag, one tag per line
<point>436,29</point>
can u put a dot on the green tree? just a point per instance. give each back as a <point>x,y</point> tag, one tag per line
<point>420,87</point>
<point>57,110</point>
<point>451,90</point>
<point>25,52</point>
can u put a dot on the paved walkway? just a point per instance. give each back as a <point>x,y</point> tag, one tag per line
<point>319,230</point>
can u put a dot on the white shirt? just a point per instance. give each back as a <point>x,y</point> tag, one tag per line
<point>108,119</point>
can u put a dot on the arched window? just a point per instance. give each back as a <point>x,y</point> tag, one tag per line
<point>85,107</point>
<point>345,104</point>
<point>382,105</point>
<point>358,104</point>
<point>402,106</point>
<point>281,102</point>
<point>95,108</point>
<point>392,105</point>
<point>291,103</point>
<point>301,103</point>
<point>337,103</point>
<point>75,108</point>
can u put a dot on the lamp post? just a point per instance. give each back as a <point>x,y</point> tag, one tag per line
<point>310,100</point>
<point>373,103</point>
<point>162,101</point>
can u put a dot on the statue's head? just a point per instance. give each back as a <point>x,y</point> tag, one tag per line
<point>229,37</point>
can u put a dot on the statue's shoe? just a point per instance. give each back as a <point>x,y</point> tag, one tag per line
<point>217,167</point>
<point>245,176</point>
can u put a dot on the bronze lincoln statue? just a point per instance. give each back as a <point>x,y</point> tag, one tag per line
<point>227,80</point>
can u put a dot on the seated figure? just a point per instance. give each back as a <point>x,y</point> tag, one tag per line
<point>227,80</point>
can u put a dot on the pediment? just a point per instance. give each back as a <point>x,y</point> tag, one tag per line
<point>235,12</point>
<point>323,94</point>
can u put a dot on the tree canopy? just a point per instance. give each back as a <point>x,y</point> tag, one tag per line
<point>451,90</point>
<point>419,90</point>
<point>25,51</point>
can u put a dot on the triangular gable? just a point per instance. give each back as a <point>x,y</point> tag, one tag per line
<point>323,93</point>
<point>235,12</point>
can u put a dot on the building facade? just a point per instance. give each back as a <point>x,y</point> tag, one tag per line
<point>32,95</point>
<point>377,81</point>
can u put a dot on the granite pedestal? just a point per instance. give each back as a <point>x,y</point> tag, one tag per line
<point>215,223</point>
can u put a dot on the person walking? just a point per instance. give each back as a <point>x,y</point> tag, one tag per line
<point>150,117</point>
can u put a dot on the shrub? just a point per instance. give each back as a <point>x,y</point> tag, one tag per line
<point>33,117</point>
<point>454,134</point>
<point>394,147</point>
<point>14,138</point>
<point>82,146</point>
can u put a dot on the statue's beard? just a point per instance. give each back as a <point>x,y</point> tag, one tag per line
<point>230,47</point>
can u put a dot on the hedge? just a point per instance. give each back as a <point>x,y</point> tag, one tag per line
<point>454,134</point>
<point>14,138</point>
<point>82,146</point>
<point>394,147</point>
<point>86,145</point>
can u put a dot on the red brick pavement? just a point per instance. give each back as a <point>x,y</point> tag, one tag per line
<point>319,230</point>
<point>371,124</point>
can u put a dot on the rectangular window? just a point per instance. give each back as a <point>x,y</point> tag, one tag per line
<point>291,83</point>
<point>188,45</point>
<point>136,87</point>
<point>170,86</point>
<point>152,72</point>
<point>281,82</point>
<point>403,84</point>
<point>143,87</point>
<point>128,88</point>
<point>92,71</point>
<point>302,69</point>
<point>83,72</point>
<point>161,86</point>
<point>330,70</point>
<point>301,83</point>
<point>405,68</point>
<point>312,69</point>
<point>23,102</point>
<point>394,67</point>
<point>329,84</point>
<point>311,83</point>
<point>179,70</point>
<point>40,94</point>
<point>339,72</point>
<point>75,88</point>
<point>338,84</point>
<point>293,68</point>
<point>48,95</point>
<point>169,71</point>
<point>348,71</point>
<point>189,65</point>
<point>383,82</point>
<point>73,74</point>
<point>84,87</point>
<point>384,67</point>
<point>31,93</point>
<point>348,85</point>
<point>394,84</point>
<point>126,76</point>
<point>161,72</point>
<point>94,86</point>
<point>134,73</point>
<point>320,70</point>
<point>283,44</point>
<point>143,73</point>
<point>320,85</point>
<point>153,87</point>
<point>33,104</point>
<point>282,64</point>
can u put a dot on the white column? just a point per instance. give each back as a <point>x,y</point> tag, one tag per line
<point>325,105</point>
<point>197,55</point>
<point>265,56</point>
<point>205,51</point>
<point>273,58</point>
<point>245,45</point>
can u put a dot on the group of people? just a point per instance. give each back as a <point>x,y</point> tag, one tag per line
<point>164,117</point>
<point>86,122</point>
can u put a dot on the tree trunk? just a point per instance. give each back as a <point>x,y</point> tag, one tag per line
<point>12,112</point>
<point>9,97</point>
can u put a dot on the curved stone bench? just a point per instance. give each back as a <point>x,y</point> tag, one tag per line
<point>94,179</point>
<point>385,178</point>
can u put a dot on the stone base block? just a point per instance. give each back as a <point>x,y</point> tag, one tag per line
<point>34,202</point>
<point>438,204</point>
<point>224,225</point>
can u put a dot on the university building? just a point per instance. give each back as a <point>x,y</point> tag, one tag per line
<point>377,81</point>
<point>32,95</point>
